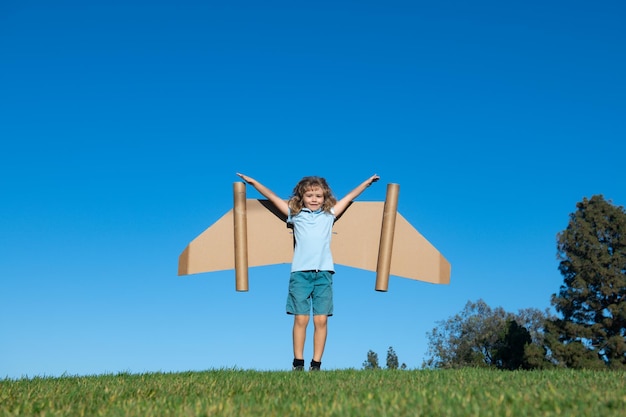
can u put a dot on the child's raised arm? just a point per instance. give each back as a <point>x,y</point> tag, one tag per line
<point>342,204</point>
<point>267,193</point>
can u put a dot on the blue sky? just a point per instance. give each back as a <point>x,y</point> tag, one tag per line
<point>123,124</point>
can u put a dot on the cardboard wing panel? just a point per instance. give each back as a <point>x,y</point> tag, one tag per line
<point>415,257</point>
<point>269,242</point>
<point>356,237</point>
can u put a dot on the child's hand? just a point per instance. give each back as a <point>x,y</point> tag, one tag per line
<point>373,179</point>
<point>246,178</point>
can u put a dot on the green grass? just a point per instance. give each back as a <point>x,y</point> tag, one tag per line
<point>467,392</point>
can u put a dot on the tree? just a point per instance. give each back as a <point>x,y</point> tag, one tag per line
<point>372,361</point>
<point>536,354</point>
<point>392,359</point>
<point>480,336</point>
<point>592,298</point>
<point>510,352</point>
<point>467,338</point>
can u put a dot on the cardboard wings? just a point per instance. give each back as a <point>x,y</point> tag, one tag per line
<point>368,235</point>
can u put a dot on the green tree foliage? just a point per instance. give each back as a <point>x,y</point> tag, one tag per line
<point>480,336</point>
<point>509,352</point>
<point>592,299</point>
<point>392,359</point>
<point>372,361</point>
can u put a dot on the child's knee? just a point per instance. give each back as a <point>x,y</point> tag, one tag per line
<point>320,320</point>
<point>301,320</point>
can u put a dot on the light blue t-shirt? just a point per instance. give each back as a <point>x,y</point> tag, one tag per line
<point>312,231</point>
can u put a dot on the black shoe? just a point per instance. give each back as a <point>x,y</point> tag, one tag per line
<point>315,366</point>
<point>298,365</point>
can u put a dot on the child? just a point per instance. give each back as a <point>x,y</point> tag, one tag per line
<point>311,210</point>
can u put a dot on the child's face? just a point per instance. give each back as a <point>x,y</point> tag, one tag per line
<point>313,198</point>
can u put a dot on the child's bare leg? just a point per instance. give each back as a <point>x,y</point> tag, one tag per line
<point>319,336</point>
<point>300,322</point>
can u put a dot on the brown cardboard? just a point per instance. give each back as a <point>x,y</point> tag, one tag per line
<point>269,242</point>
<point>356,236</point>
<point>240,225</point>
<point>385,248</point>
<point>355,243</point>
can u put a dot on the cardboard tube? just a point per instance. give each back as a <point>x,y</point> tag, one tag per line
<point>241,236</point>
<point>386,237</point>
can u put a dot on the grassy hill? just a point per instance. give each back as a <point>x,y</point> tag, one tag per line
<point>237,393</point>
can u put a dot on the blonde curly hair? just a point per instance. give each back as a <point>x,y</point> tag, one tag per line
<point>296,201</point>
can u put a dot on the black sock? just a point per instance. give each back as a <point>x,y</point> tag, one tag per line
<point>298,362</point>
<point>316,364</point>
